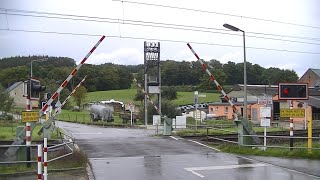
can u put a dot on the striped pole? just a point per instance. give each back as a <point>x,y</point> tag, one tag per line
<point>66,100</point>
<point>39,162</point>
<point>291,126</point>
<point>236,112</point>
<point>71,75</point>
<point>28,132</point>
<point>49,121</point>
<point>212,78</point>
<point>45,158</point>
<point>148,97</point>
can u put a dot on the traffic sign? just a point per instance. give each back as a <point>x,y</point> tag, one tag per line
<point>265,122</point>
<point>30,116</point>
<point>297,113</point>
<point>265,112</point>
<point>264,99</point>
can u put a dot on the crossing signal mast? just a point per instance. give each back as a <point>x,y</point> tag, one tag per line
<point>35,88</point>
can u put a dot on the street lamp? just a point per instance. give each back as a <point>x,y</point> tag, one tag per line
<point>228,26</point>
<point>35,60</point>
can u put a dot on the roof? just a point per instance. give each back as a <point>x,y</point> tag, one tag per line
<point>13,86</point>
<point>313,101</point>
<point>317,84</point>
<point>227,104</point>
<point>316,71</point>
<point>258,90</point>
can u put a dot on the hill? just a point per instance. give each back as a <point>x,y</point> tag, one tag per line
<point>127,95</point>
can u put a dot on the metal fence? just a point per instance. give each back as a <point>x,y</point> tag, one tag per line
<point>272,141</point>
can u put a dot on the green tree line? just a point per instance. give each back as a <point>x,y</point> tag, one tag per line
<point>54,71</point>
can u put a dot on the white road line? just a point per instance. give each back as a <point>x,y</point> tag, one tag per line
<point>204,145</point>
<point>234,166</point>
<point>270,164</point>
<point>197,174</point>
<point>193,169</point>
<point>174,138</point>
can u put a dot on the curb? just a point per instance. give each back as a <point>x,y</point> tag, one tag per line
<point>33,172</point>
<point>89,172</point>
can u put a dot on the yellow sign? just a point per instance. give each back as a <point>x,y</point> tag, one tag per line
<point>30,116</point>
<point>294,113</point>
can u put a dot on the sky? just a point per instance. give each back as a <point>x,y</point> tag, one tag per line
<point>283,34</point>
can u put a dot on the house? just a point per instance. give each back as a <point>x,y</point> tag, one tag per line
<point>312,77</point>
<point>259,95</point>
<point>16,91</point>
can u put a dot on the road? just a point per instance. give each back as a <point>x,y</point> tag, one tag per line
<point>135,154</point>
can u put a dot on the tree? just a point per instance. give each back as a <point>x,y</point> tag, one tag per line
<point>80,95</point>
<point>139,96</point>
<point>170,93</point>
<point>169,109</point>
<point>207,84</point>
<point>6,102</point>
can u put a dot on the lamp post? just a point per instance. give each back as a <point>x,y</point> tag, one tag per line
<point>36,60</point>
<point>228,26</point>
<point>31,75</point>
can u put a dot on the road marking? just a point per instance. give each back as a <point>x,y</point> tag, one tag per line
<point>197,174</point>
<point>194,169</point>
<point>98,133</point>
<point>204,145</point>
<point>174,138</point>
<point>279,166</point>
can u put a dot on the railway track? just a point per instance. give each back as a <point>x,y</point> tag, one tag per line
<point>274,140</point>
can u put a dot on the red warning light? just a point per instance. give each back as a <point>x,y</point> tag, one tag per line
<point>286,91</point>
<point>293,91</point>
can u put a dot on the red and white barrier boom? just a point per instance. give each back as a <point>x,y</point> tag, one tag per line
<point>150,100</point>
<point>71,75</point>
<point>243,121</point>
<point>48,123</point>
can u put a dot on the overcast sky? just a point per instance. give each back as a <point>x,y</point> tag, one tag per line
<point>292,20</point>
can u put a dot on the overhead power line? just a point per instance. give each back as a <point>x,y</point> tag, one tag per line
<point>152,24</point>
<point>156,39</point>
<point>218,13</point>
<point>6,11</point>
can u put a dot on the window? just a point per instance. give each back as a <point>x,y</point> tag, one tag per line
<point>226,110</point>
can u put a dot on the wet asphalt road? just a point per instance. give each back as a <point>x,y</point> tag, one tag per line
<point>135,154</point>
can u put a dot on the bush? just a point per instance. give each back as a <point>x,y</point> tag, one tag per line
<point>7,117</point>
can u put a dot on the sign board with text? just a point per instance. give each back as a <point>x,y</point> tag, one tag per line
<point>265,122</point>
<point>30,116</point>
<point>294,113</point>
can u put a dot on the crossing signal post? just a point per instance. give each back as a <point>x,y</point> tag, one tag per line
<point>35,88</point>
<point>293,91</point>
<point>33,93</point>
<point>290,92</point>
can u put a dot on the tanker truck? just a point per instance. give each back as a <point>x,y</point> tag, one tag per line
<point>101,112</point>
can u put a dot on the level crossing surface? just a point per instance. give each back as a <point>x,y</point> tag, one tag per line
<point>137,154</point>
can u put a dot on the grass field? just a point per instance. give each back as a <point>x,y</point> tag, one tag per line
<point>127,95</point>
<point>188,98</point>
<point>8,131</point>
